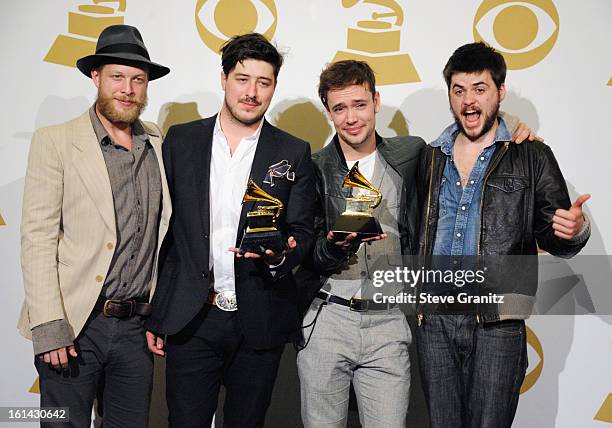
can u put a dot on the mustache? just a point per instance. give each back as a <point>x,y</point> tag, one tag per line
<point>250,100</point>
<point>137,103</point>
<point>472,107</point>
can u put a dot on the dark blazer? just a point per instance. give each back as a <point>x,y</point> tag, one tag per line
<point>268,312</point>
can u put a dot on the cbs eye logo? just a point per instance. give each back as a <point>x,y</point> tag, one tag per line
<point>219,20</point>
<point>524,32</point>
<point>533,374</point>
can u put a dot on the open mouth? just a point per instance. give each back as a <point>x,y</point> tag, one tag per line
<point>471,116</point>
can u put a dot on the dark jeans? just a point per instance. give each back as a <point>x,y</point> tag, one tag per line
<point>113,365</point>
<point>471,372</point>
<point>209,351</point>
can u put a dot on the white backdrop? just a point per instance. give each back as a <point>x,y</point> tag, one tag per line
<point>563,91</point>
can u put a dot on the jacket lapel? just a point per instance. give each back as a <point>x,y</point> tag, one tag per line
<point>264,155</point>
<point>90,165</point>
<point>203,158</point>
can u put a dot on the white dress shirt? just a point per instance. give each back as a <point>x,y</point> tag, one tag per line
<point>229,175</point>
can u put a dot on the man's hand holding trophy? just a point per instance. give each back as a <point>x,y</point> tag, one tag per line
<point>357,223</point>
<point>262,239</point>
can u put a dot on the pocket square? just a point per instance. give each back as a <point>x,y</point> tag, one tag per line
<point>279,170</point>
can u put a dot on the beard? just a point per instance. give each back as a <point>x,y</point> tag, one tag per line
<point>244,121</point>
<point>120,117</point>
<point>490,118</point>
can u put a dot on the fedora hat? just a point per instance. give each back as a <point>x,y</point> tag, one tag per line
<point>121,44</point>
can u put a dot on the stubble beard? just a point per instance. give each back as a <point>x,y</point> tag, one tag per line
<point>234,116</point>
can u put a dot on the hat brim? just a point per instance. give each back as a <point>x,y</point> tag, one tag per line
<point>87,63</point>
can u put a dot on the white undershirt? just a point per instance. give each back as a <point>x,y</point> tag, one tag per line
<point>228,180</point>
<point>366,168</point>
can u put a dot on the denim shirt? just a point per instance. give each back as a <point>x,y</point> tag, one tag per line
<point>458,229</point>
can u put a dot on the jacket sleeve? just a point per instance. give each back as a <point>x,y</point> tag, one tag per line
<point>155,321</point>
<point>327,257</point>
<point>40,232</point>
<point>551,194</point>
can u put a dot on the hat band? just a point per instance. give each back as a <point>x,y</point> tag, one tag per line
<point>124,48</point>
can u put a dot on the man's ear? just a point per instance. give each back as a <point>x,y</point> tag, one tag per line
<point>376,102</point>
<point>223,80</point>
<point>502,92</point>
<point>96,76</point>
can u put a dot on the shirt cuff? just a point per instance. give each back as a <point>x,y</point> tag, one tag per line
<point>585,232</point>
<point>52,335</point>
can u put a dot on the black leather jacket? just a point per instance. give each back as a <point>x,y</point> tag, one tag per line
<point>523,187</point>
<point>402,154</point>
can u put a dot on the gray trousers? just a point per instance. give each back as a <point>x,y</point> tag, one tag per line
<point>369,349</point>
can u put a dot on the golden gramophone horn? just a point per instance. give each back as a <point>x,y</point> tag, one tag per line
<point>256,193</point>
<point>355,179</point>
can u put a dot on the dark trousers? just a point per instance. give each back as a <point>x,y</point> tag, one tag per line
<point>211,351</point>
<point>471,372</point>
<point>113,365</point>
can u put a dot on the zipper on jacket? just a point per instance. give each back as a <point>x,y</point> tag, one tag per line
<point>484,185</point>
<point>431,169</point>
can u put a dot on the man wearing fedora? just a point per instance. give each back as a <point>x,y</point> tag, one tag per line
<point>95,210</point>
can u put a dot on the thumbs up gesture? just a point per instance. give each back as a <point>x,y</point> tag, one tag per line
<point>567,223</point>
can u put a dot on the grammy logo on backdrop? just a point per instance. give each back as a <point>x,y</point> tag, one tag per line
<point>84,27</point>
<point>358,216</point>
<point>261,233</point>
<point>377,42</point>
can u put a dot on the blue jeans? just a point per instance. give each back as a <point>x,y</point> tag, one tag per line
<point>471,372</point>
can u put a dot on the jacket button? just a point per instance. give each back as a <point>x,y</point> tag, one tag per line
<point>99,278</point>
<point>110,245</point>
<point>204,275</point>
<point>204,236</point>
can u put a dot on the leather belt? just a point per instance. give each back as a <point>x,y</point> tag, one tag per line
<point>357,305</point>
<point>456,308</point>
<point>123,308</point>
<point>226,300</point>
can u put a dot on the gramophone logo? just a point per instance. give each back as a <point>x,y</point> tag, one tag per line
<point>610,82</point>
<point>377,42</point>
<point>605,411</point>
<point>534,374</point>
<point>219,20</point>
<point>2,222</point>
<point>524,32</point>
<point>84,27</point>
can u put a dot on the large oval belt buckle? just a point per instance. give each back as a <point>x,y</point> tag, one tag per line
<point>226,301</point>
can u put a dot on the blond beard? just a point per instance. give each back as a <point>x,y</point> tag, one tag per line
<point>108,110</point>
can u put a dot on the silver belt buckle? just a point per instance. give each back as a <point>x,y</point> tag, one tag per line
<point>226,301</point>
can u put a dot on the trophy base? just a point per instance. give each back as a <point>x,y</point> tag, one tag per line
<point>365,226</point>
<point>259,242</point>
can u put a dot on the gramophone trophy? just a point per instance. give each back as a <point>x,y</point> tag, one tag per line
<point>261,233</point>
<point>358,218</point>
